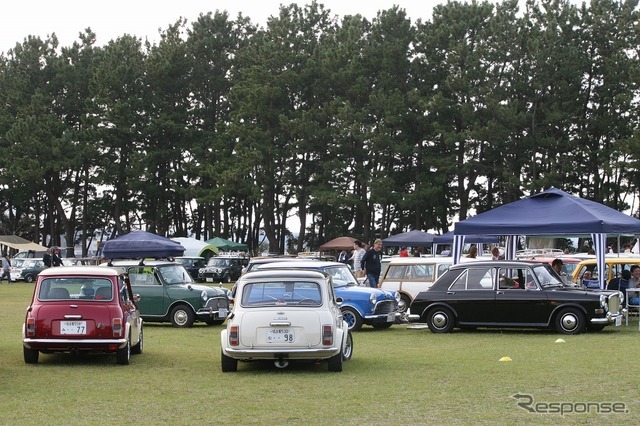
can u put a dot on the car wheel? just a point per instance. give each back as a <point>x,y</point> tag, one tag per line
<point>124,354</point>
<point>335,362</point>
<point>228,364</point>
<point>30,355</point>
<point>403,305</point>
<point>29,278</point>
<point>353,318</point>
<point>137,348</point>
<point>182,316</point>
<point>570,321</point>
<point>347,351</point>
<point>440,320</point>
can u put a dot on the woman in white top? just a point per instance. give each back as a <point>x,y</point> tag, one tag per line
<point>358,252</point>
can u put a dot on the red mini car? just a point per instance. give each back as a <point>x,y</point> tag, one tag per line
<point>82,309</point>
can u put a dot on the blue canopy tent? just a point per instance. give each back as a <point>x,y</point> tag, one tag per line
<point>141,244</point>
<point>413,238</point>
<point>447,238</point>
<point>551,212</point>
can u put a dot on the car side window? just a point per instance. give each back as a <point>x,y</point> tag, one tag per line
<point>474,279</point>
<point>397,271</point>
<point>142,275</point>
<point>421,272</point>
<point>512,278</point>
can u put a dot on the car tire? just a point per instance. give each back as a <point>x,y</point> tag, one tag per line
<point>347,350</point>
<point>28,278</point>
<point>570,321</point>
<point>182,316</point>
<point>335,362</point>
<point>440,320</point>
<point>138,347</point>
<point>30,355</point>
<point>228,364</point>
<point>353,318</point>
<point>123,355</point>
<point>405,302</point>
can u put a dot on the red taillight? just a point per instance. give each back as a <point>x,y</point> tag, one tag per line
<point>116,327</point>
<point>327,335</point>
<point>31,326</point>
<point>233,335</point>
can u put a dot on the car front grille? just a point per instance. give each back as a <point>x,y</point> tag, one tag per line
<point>386,307</point>
<point>614,303</point>
<point>217,303</point>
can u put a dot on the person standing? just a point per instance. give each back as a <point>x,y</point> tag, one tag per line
<point>343,257</point>
<point>356,257</point>
<point>56,260</point>
<point>6,268</point>
<point>372,263</point>
<point>46,258</point>
<point>404,252</point>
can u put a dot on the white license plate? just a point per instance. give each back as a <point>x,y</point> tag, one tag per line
<point>209,280</point>
<point>618,321</point>
<point>280,335</point>
<point>73,327</point>
<point>391,317</point>
<point>222,313</point>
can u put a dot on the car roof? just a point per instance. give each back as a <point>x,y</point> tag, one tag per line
<point>284,274</point>
<point>189,257</point>
<point>135,262</point>
<point>497,264</point>
<point>413,260</point>
<point>302,263</point>
<point>614,261</point>
<point>79,270</point>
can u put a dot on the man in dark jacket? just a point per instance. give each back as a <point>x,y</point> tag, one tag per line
<point>46,258</point>
<point>371,263</point>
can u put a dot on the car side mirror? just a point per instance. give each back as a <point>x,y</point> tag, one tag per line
<point>339,301</point>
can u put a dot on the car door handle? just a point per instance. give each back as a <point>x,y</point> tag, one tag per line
<point>280,324</point>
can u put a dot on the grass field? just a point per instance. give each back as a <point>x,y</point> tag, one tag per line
<point>396,376</point>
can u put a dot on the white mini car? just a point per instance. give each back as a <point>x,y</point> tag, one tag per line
<point>285,315</point>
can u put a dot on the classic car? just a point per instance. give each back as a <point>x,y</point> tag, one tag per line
<point>360,304</point>
<point>192,264</point>
<point>513,294</point>
<point>286,315</point>
<point>169,294</point>
<point>28,270</point>
<point>613,269</point>
<point>411,275</point>
<point>223,269</point>
<point>82,309</point>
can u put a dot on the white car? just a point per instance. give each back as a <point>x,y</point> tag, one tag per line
<point>411,275</point>
<point>285,315</point>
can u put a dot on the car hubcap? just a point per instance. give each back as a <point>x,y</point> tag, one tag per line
<point>569,322</point>
<point>439,320</point>
<point>181,317</point>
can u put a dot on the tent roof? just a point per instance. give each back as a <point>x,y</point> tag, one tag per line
<point>19,243</point>
<point>551,212</point>
<point>194,247</point>
<point>226,245</point>
<point>447,238</point>
<point>340,243</point>
<point>413,238</point>
<point>141,244</point>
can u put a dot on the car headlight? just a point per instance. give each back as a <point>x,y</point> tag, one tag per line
<point>372,299</point>
<point>397,297</point>
<point>204,296</point>
<point>603,301</point>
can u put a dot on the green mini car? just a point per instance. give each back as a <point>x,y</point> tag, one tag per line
<point>169,294</point>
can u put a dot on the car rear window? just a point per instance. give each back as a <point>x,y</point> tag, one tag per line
<point>76,288</point>
<point>283,293</point>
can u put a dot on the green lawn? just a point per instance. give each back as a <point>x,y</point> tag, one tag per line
<point>397,376</point>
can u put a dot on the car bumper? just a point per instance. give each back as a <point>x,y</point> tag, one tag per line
<point>609,319</point>
<point>204,314</point>
<point>74,344</point>
<point>381,318</point>
<point>301,353</point>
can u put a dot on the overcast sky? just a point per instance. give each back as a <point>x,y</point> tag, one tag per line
<point>142,18</point>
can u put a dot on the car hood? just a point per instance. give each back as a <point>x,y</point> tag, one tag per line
<point>365,292</point>
<point>211,291</point>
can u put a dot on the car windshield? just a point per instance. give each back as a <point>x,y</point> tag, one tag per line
<point>175,274</point>
<point>220,263</point>
<point>547,277</point>
<point>281,293</point>
<point>342,276</point>
<point>76,288</point>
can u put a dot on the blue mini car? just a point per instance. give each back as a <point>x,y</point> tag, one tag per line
<point>360,305</point>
